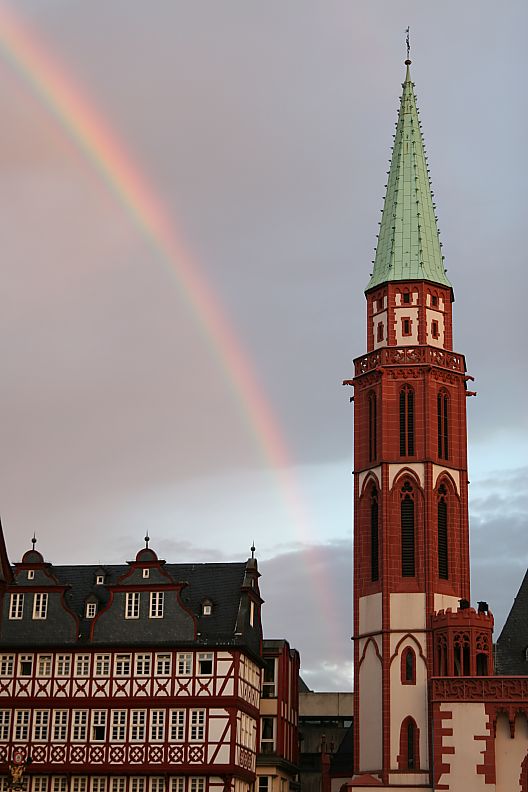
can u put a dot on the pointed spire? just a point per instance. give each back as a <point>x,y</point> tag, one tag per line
<point>408,247</point>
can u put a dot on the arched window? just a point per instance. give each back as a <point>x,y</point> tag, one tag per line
<point>409,758</point>
<point>374,535</point>
<point>407,531</point>
<point>373,426</point>
<point>443,548</point>
<point>406,421</point>
<point>442,411</point>
<point>408,667</point>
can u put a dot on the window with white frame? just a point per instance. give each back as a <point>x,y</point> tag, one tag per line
<point>177,725</point>
<point>60,725</point>
<point>143,664</point>
<point>7,665</point>
<point>207,608</point>
<point>269,678</point>
<point>157,725</point>
<point>184,663</point>
<point>40,605</point>
<point>197,784</point>
<point>21,726</point>
<point>25,665</point>
<point>205,663</point>
<point>118,729</point>
<point>41,719</point>
<point>5,723</point>
<point>82,665</point>
<point>137,784</point>
<point>63,665</point>
<point>99,580</point>
<point>117,784</point>
<point>44,666</point>
<point>138,723</point>
<point>157,599</point>
<point>146,572</point>
<point>132,605</point>
<point>177,783</point>
<point>99,725</point>
<point>91,610</point>
<point>102,665</point>
<point>197,725</point>
<point>16,606</point>
<point>163,665</point>
<point>252,614</point>
<point>79,784</point>
<point>122,665</point>
<point>40,784</point>
<point>157,784</point>
<point>98,784</point>
<point>59,784</point>
<point>31,574</point>
<point>79,731</point>
<point>267,735</point>
<point>264,784</point>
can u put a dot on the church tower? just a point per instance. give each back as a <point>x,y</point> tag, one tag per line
<point>412,618</point>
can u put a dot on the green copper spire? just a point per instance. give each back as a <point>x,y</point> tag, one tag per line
<point>408,244</point>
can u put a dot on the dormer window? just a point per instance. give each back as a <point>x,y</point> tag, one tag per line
<point>207,608</point>
<point>31,574</point>
<point>99,580</point>
<point>146,572</point>
<point>91,610</point>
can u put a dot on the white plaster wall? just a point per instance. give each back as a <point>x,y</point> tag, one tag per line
<point>408,700</point>
<point>468,721</point>
<point>510,753</point>
<point>455,475</point>
<point>445,601</point>
<point>430,316</point>
<point>370,613</point>
<point>222,756</point>
<point>412,314</point>
<point>413,779</point>
<point>370,712</point>
<point>407,612</point>
<point>217,724</point>
<point>416,467</point>
<point>365,473</point>
<point>414,299</point>
<point>376,319</point>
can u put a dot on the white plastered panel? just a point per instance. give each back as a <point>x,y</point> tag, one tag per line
<point>380,317</point>
<point>363,475</point>
<point>468,721</point>
<point>416,467</point>
<point>455,475</point>
<point>370,613</point>
<point>407,612</point>
<point>406,312</point>
<point>445,601</point>
<point>370,711</point>
<point>408,699</point>
<point>510,753</point>
<point>430,316</point>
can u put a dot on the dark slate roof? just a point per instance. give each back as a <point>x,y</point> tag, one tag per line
<point>219,583</point>
<point>510,655</point>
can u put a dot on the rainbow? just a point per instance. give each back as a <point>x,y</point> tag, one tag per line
<point>29,58</point>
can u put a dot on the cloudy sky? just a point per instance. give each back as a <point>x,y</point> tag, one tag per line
<point>261,132</point>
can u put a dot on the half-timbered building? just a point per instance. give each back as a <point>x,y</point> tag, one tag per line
<point>135,678</point>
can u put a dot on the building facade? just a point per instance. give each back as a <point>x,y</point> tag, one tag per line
<point>144,677</point>
<point>429,713</point>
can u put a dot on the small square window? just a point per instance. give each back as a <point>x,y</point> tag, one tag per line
<point>379,331</point>
<point>434,329</point>
<point>406,327</point>
<point>205,664</point>
<point>146,572</point>
<point>99,580</point>
<point>434,299</point>
<point>406,297</point>
<point>31,574</point>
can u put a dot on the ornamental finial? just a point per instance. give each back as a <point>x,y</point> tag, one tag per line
<point>408,44</point>
<point>34,540</point>
<point>147,540</point>
<point>253,548</point>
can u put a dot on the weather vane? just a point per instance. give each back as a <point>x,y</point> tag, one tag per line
<point>407,42</point>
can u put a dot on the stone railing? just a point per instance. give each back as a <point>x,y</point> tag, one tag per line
<point>409,356</point>
<point>492,689</point>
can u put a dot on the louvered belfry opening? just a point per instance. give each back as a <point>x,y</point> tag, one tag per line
<point>374,535</point>
<point>406,421</point>
<point>443,549</point>
<point>442,409</point>
<point>407,531</point>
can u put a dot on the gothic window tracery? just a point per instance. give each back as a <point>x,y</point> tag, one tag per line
<point>408,666</point>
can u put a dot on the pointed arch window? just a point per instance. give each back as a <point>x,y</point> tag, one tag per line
<point>374,535</point>
<point>407,531</point>
<point>442,411</point>
<point>408,667</point>
<point>406,421</point>
<point>443,546</point>
<point>373,426</point>
<point>409,758</point>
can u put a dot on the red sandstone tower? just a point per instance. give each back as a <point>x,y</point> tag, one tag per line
<point>411,540</point>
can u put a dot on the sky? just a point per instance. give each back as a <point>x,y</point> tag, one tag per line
<point>184,378</point>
